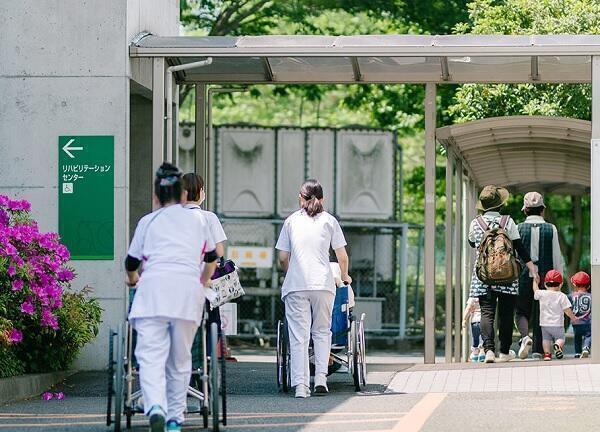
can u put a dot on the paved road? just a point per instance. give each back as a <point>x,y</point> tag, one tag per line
<point>255,404</point>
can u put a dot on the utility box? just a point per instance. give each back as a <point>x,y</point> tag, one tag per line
<point>372,307</point>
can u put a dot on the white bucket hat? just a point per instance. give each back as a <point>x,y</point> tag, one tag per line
<point>532,200</point>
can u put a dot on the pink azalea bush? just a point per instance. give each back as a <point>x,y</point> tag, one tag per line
<point>38,311</point>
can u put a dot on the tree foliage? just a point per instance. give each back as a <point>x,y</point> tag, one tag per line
<point>477,101</point>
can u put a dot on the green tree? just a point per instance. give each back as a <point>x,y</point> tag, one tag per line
<point>477,101</point>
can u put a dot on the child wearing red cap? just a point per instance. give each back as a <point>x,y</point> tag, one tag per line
<point>554,305</point>
<point>581,298</point>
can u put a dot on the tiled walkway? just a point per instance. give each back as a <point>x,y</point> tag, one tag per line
<point>566,376</point>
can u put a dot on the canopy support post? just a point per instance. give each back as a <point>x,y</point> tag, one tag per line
<point>158,113</point>
<point>458,246</point>
<point>449,256</point>
<point>595,196</point>
<point>430,125</point>
<point>200,151</point>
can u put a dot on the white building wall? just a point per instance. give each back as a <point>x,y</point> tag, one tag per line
<point>65,70</point>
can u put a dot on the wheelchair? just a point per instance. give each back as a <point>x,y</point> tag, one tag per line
<point>348,347</point>
<point>207,386</point>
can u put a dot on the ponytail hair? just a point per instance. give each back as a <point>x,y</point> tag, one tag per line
<point>193,184</point>
<point>312,192</point>
<point>167,184</point>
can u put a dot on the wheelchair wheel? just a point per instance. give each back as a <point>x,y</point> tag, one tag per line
<point>116,372</point>
<point>283,357</point>
<point>359,363</point>
<point>214,376</point>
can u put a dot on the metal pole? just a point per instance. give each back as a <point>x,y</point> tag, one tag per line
<point>449,256</point>
<point>200,129</point>
<point>158,114</point>
<point>169,80</point>
<point>403,276</point>
<point>176,130</point>
<point>374,264</point>
<point>430,124</point>
<point>595,196</point>
<point>458,249</point>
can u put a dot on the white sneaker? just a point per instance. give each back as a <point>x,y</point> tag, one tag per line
<point>490,357</point>
<point>302,391</point>
<point>585,353</point>
<point>507,357</point>
<point>526,343</point>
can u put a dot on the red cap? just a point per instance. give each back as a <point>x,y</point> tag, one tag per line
<point>553,276</point>
<point>580,278</point>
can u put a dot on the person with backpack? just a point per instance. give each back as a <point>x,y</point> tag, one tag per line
<point>495,279</point>
<point>540,238</point>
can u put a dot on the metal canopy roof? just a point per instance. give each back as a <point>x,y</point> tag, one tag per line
<point>549,154</point>
<point>378,59</point>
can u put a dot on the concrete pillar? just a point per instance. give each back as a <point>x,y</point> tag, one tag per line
<point>158,113</point>
<point>458,251</point>
<point>449,256</point>
<point>430,124</point>
<point>595,197</point>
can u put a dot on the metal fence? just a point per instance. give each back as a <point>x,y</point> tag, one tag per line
<point>386,264</point>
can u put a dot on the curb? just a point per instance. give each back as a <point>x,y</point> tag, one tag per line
<point>25,386</point>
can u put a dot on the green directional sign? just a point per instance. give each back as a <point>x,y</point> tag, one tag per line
<point>86,179</point>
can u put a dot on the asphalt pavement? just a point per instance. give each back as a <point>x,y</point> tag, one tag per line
<point>255,403</point>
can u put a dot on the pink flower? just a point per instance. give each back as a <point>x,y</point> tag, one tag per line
<point>22,205</point>
<point>17,285</point>
<point>49,320</point>
<point>59,395</point>
<point>27,308</point>
<point>64,275</point>
<point>47,396</point>
<point>3,200</point>
<point>11,271</point>
<point>15,336</point>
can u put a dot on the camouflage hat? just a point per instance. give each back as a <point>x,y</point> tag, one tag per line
<point>492,197</point>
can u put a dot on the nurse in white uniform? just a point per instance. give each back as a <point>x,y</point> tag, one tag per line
<point>178,256</point>
<point>193,197</point>
<point>308,290</point>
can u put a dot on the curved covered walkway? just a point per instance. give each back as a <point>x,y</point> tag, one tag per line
<point>523,153</point>
<point>548,154</point>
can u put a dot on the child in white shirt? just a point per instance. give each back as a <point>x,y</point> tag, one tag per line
<point>554,305</point>
<point>473,311</point>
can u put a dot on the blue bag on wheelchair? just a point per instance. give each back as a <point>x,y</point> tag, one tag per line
<point>339,318</point>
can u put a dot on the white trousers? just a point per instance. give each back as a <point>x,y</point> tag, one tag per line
<point>164,353</point>
<point>309,313</point>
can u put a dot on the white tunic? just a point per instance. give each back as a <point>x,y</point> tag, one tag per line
<point>308,239</point>
<point>171,242</point>
<point>214,224</point>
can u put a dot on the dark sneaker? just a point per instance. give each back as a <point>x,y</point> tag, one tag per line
<point>558,351</point>
<point>577,355</point>
<point>157,419</point>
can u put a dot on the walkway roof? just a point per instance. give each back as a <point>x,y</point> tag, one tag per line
<point>548,154</point>
<point>378,59</point>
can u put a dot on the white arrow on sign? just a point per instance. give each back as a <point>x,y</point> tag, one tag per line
<point>67,149</point>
